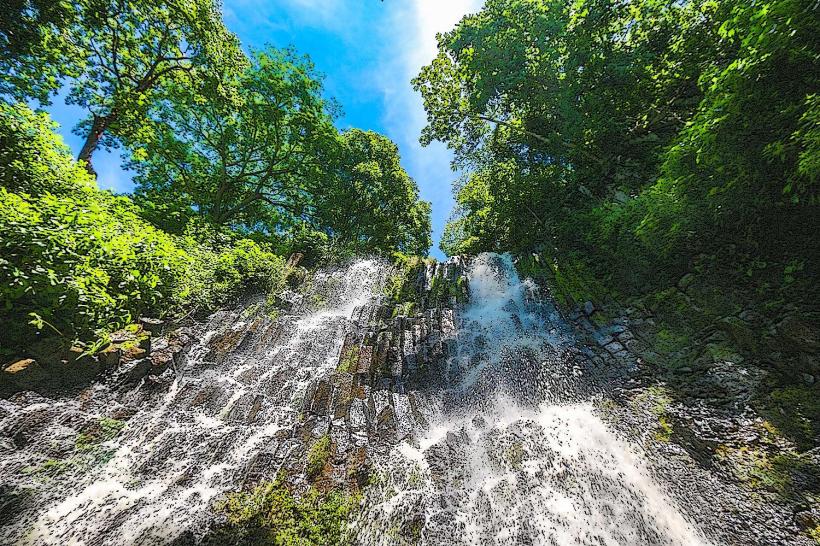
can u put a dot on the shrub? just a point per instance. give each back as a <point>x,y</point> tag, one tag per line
<point>34,159</point>
<point>271,514</point>
<point>79,264</point>
<point>220,269</point>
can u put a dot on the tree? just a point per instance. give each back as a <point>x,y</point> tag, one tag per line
<point>132,49</point>
<point>370,204</point>
<point>580,98</point>
<point>34,50</point>
<point>237,150</point>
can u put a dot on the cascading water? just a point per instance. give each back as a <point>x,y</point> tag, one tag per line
<point>481,429</point>
<point>514,454</point>
<point>242,383</point>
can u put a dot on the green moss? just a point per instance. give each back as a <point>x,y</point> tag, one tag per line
<point>51,467</point>
<point>775,472</point>
<point>814,534</point>
<point>406,309</point>
<point>102,431</point>
<point>414,478</point>
<point>664,432</point>
<point>349,360</point>
<point>658,399</point>
<point>271,514</point>
<point>317,457</point>
<point>795,412</point>
<point>670,341</point>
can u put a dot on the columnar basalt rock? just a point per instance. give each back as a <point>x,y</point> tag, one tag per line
<point>386,352</point>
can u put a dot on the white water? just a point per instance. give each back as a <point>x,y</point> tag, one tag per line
<point>513,454</point>
<point>178,455</point>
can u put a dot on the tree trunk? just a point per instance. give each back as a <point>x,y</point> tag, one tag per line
<point>98,127</point>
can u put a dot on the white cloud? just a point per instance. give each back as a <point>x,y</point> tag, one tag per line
<point>409,43</point>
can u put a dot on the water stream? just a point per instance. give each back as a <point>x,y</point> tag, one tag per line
<point>514,453</point>
<point>510,451</point>
<point>187,447</point>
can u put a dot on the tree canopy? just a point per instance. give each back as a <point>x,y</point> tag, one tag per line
<point>653,129</point>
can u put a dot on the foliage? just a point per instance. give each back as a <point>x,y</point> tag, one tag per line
<point>34,51</point>
<point>371,205</point>
<point>318,456</point>
<point>116,54</point>
<point>271,514</point>
<point>80,263</point>
<point>242,158</point>
<point>77,262</point>
<point>265,158</point>
<point>219,267</point>
<point>639,134</point>
<point>33,159</point>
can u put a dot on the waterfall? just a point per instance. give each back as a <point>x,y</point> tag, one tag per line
<point>475,418</point>
<point>241,385</point>
<point>513,453</point>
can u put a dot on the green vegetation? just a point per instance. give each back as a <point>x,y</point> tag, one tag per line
<point>651,156</point>
<point>793,411</point>
<point>238,164</point>
<point>624,142</point>
<point>77,262</point>
<point>105,429</point>
<point>88,449</point>
<point>349,360</point>
<point>404,286</point>
<point>317,457</point>
<point>271,514</point>
<point>778,473</point>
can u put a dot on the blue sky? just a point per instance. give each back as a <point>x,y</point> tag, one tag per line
<point>368,51</point>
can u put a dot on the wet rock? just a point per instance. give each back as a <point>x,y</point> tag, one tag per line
<point>320,402</point>
<point>740,332</point>
<point>615,348</point>
<point>589,308</point>
<point>807,519</point>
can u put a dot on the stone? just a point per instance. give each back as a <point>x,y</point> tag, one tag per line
<point>740,332</point>
<point>320,402</point>
<point>806,519</point>
<point>152,325</point>
<point>110,356</point>
<point>365,362</point>
<point>603,341</point>
<point>25,374</point>
<point>21,366</point>
<point>589,308</point>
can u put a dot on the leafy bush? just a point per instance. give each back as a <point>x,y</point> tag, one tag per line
<point>76,264</point>
<point>271,514</point>
<point>34,159</point>
<point>217,271</point>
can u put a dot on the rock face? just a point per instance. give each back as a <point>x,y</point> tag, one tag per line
<point>129,355</point>
<point>364,405</point>
<point>323,393</point>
